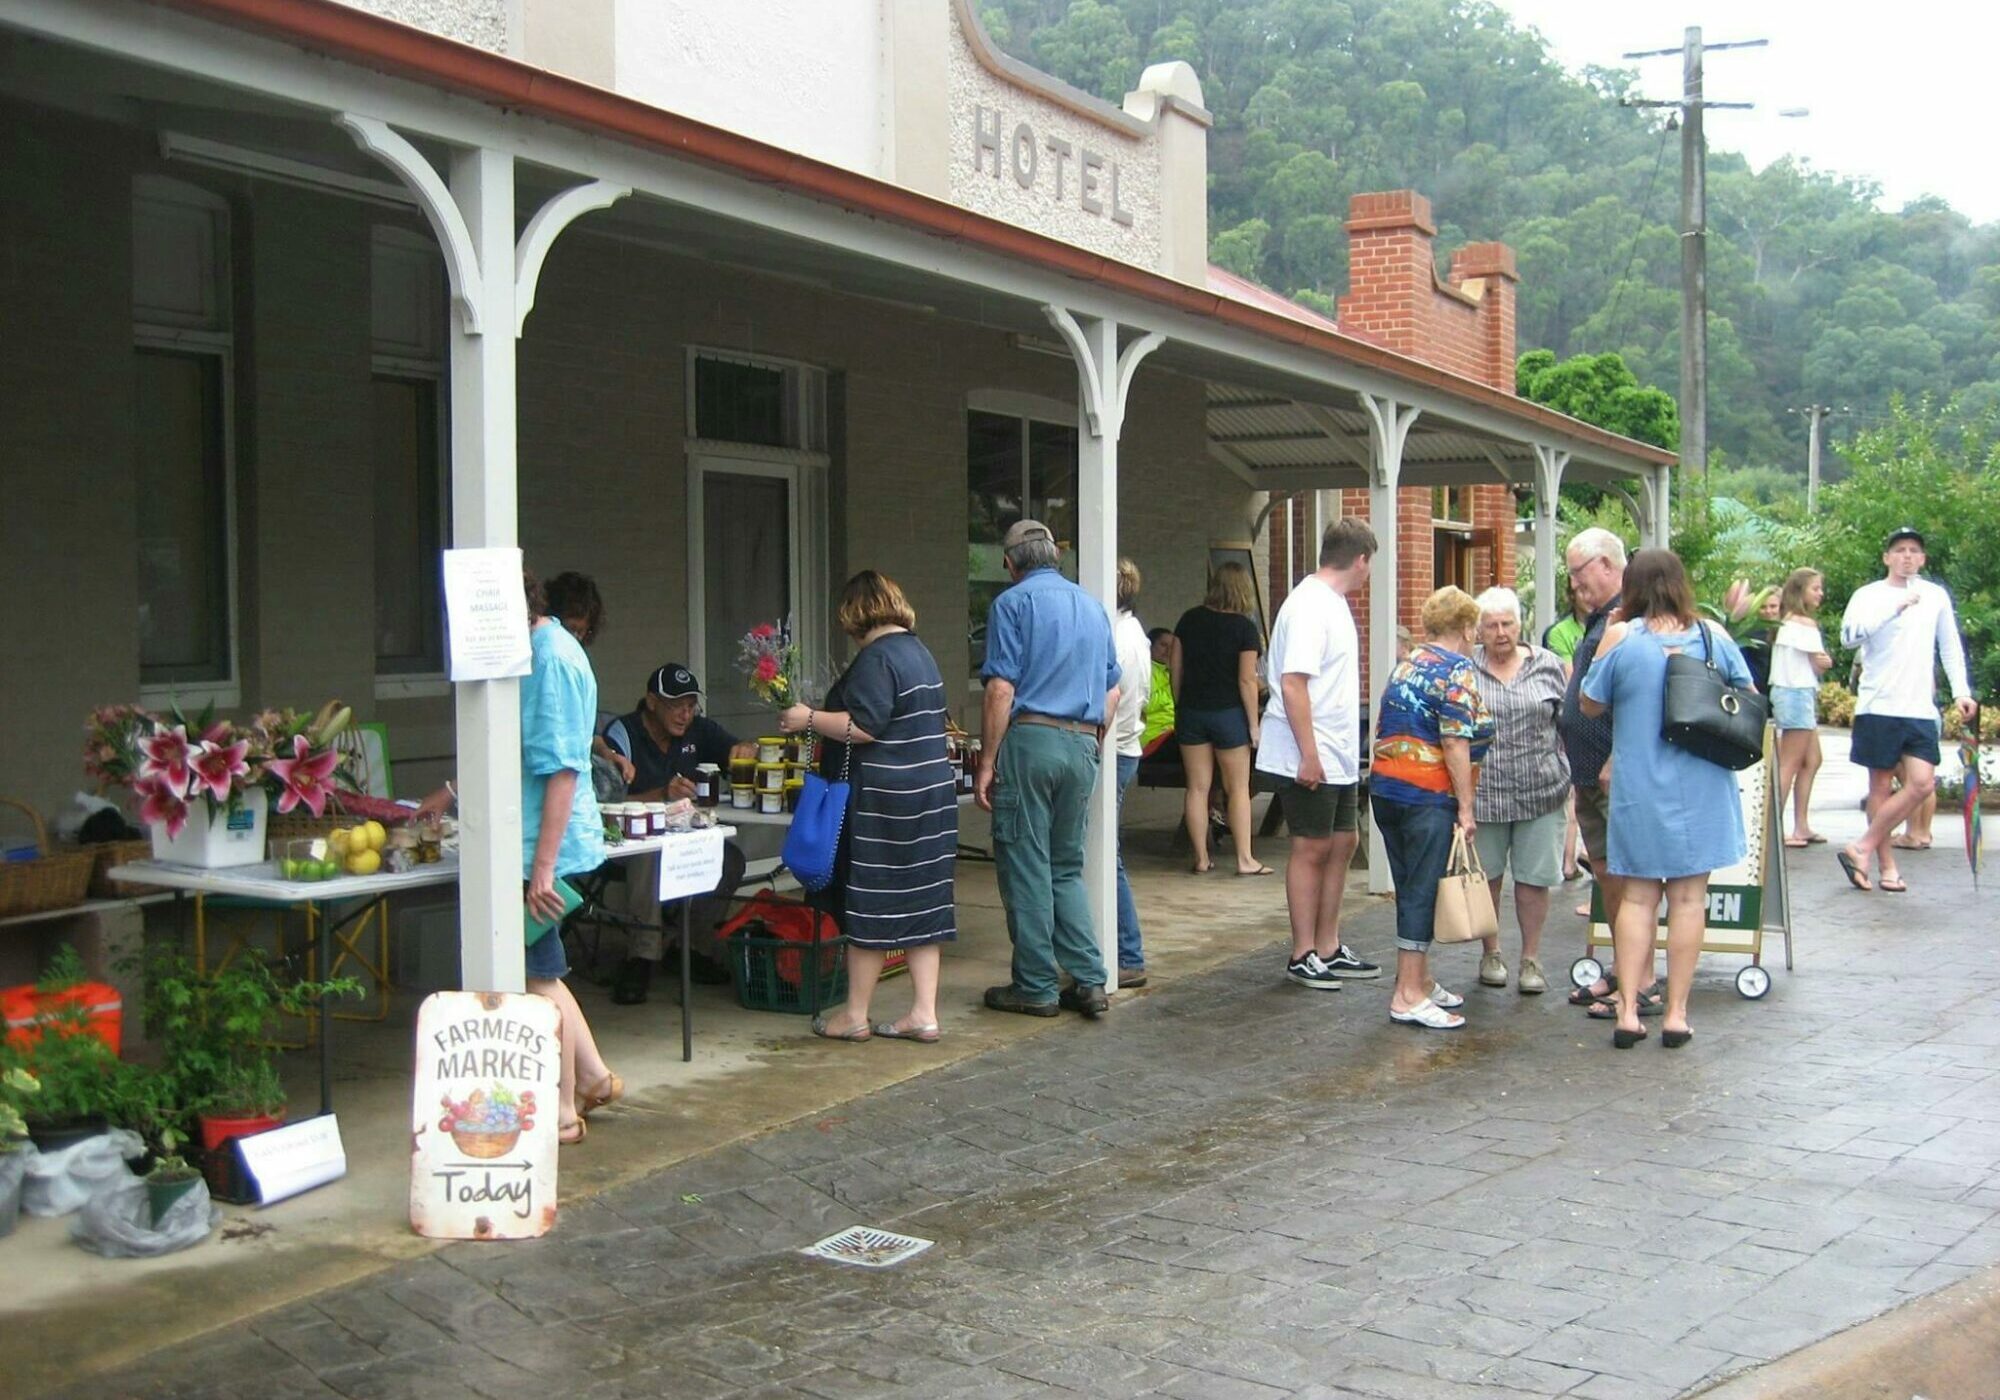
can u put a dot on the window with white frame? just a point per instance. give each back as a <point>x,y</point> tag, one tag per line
<point>1018,467</point>
<point>757,401</point>
<point>407,427</point>
<point>183,351</point>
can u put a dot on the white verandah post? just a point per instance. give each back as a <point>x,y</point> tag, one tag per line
<point>1389,426</point>
<point>492,287</point>
<point>1104,378</point>
<point>1549,465</point>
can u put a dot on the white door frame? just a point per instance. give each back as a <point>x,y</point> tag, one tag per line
<point>804,475</point>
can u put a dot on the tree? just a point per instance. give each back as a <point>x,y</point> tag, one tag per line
<point>1600,389</point>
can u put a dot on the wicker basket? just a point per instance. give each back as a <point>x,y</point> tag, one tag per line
<point>53,881</point>
<point>106,854</point>
<point>301,825</point>
<point>485,1145</point>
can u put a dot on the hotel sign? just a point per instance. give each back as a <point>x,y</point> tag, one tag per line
<point>1065,173</point>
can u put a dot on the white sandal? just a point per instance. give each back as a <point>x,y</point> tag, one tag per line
<point>1449,1000</point>
<point>1429,1015</point>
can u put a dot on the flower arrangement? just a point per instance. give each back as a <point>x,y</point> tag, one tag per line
<point>169,760</point>
<point>1741,610</point>
<point>769,660</point>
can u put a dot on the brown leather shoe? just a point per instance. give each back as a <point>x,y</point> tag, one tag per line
<point>1091,1001</point>
<point>1008,999</point>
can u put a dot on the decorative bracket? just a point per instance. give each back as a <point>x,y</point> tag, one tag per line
<point>1104,386</point>
<point>461,260</point>
<point>1389,425</point>
<point>540,235</point>
<point>1550,464</point>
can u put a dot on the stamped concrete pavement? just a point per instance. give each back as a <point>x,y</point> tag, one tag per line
<point>1234,1187</point>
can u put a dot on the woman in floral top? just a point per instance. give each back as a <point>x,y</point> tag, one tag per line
<point>1432,729</point>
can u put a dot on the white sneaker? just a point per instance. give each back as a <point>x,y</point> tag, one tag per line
<point>1493,971</point>
<point>1531,983</point>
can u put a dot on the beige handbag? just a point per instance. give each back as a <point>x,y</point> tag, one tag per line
<point>1465,901</point>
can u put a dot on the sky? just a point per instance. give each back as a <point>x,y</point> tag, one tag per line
<point>1899,94</point>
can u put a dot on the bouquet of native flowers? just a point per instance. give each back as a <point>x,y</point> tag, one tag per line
<point>170,760</point>
<point>769,660</point>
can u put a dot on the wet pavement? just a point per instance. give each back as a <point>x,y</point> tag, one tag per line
<point>1232,1186</point>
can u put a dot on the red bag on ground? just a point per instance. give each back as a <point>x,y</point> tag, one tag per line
<point>26,1011</point>
<point>766,915</point>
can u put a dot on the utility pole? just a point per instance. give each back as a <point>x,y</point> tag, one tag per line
<point>1816,413</point>
<point>1694,246</point>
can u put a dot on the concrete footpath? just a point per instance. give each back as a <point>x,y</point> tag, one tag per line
<point>1238,1187</point>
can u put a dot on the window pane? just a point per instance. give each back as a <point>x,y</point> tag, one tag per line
<point>746,579</point>
<point>993,470</point>
<point>409,637</point>
<point>1052,485</point>
<point>183,519</point>
<point>739,403</point>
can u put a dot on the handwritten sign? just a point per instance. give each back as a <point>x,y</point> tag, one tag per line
<point>690,864</point>
<point>297,1157</point>
<point>486,614</point>
<point>484,1117</point>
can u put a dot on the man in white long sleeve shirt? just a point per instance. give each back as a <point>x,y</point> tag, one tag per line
<point>1901,626</point>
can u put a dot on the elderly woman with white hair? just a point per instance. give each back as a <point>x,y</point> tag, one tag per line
<point>1523,790</point>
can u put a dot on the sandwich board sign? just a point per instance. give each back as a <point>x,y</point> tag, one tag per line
<point>483,1116</point>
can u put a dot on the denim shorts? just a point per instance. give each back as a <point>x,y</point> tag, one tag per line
<point>1418,840</point>
<point>1795,707</point>
<point>1226,729</point>
<point>547,962</point>
<point>1882,741</point>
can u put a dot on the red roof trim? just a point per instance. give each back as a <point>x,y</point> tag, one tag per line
<point>327,26</point>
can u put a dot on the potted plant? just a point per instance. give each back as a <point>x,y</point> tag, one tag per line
<point>16,1084</point>
<point>234,771</point>
<point>80,1081</point>
<point>171,1177</point>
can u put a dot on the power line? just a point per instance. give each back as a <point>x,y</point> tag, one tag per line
<point>1645,213</point>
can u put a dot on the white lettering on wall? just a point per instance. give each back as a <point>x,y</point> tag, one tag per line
<point>1097,179</point>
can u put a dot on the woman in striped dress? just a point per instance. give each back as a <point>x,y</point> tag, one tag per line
<point>893,882</point>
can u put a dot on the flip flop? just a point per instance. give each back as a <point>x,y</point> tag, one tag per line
<point>1906,843</point>
<point>924,1035</point>
<point>1199,869</point>
<point>859,1033</point>
<point>1251,874</point>
<point>1856,876</point>
<point>1892,884</point>
<point>1582,997</point>
<point>1792,845</point>
<point>1815,840</point>
<point>609,1091</point>
<point>1651,1003</point>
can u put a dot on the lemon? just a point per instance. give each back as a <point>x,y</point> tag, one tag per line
<point>337,844</point>
<point>363,863</point>
<point>377,835</point>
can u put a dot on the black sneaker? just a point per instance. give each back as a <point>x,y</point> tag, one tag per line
<point>631,982</point>
<point>1309,971</point>
<point>1091,1001</point>
<point>1007,999</point>
<point>1348,963</point>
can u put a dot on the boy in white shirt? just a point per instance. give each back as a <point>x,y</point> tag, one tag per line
<point>1901,626</point>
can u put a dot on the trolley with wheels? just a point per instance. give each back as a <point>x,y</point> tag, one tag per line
<point>1745,901</point>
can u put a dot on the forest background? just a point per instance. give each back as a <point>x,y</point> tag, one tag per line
<point>1816,293</point>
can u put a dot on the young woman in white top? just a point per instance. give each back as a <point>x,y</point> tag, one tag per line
<point>1798,659</point>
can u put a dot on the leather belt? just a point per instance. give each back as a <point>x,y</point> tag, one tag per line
<point>1074,726</point>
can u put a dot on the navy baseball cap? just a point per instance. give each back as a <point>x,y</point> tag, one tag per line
<point>1905,532</point>
<point>673,681</point>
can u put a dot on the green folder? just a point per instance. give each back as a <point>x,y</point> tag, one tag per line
<point>538,928</point>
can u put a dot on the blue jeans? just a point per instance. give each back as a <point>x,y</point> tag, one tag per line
<point>1418,839</point>
<point>1131,957</point>
<point>1041,805</point>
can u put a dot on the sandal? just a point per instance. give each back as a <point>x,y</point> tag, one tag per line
<point>573,1134</point>
<point>1441,996</point>
<point>1583,996</point>
<point>1260,870</point>
<point>1651,1003</point>
<point>1427,1015</point>
<point>923,1035</point>
<point>858,1034</point>
<point>609,1090</point>
<point>1892,884</point>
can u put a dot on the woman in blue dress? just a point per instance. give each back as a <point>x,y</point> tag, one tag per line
<point>1674,817</point>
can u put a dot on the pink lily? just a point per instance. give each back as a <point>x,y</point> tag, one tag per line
<point>167,753</point>
<point>162,805</point>
<point>305,777</point>
<point>218,766</point>
<point>1737,601</point>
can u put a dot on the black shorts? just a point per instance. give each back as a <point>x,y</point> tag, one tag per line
<point>1226,729</point>
<point>1317,813</point>
<point>1882,741</point>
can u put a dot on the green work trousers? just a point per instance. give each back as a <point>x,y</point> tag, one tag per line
<point>1041,803</point>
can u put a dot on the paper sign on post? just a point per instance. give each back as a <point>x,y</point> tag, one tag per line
<point>486,614</point>
<point>690,864</point>
<point>484,1116</point>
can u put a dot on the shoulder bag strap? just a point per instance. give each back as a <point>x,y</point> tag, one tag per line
<point>847,748</point>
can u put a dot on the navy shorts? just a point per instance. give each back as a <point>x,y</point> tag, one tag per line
<point>1226,729</point>
<point>1883,741</point>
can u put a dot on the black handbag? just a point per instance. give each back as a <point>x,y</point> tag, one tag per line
<point>1709,717</point>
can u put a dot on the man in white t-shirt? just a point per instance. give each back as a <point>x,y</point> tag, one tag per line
<point>1312,738</point>
<point>1135,687</point>
<point>1900,627</point>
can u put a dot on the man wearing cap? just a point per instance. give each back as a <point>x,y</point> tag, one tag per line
<point>664,741</point>
<point>1900,626</point>
<point>1051,678</point>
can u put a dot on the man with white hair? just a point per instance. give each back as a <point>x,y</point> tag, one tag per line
<point>1595,560</point>
<point>1523,796</point>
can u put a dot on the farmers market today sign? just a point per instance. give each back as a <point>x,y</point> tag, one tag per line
<point>483,1117</point>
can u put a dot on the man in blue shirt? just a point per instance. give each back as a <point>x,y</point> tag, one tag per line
<point>1051,678</point>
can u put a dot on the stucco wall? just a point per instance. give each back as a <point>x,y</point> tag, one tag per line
<point>489,24</point>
